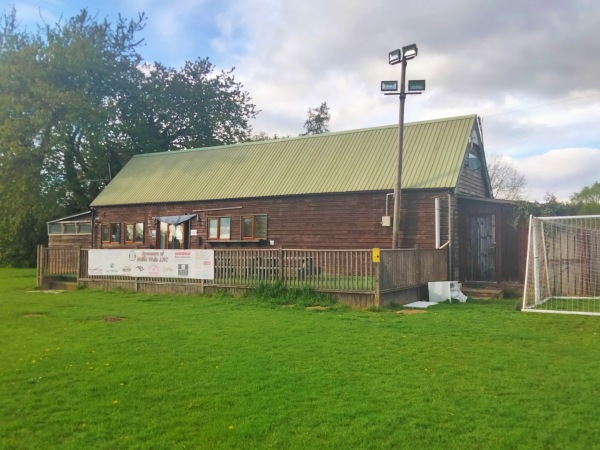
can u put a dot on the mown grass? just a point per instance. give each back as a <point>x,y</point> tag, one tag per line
<point>110,370</point>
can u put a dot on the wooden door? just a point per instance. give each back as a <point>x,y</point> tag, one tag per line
<point>481,254</point>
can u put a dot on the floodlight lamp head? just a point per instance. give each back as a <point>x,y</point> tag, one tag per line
<point>409,52</point>
<point>395,56</point>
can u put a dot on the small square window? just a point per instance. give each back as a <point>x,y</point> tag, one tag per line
<point>69,228</point>
<point>254,227</point>
<point>55,228</point>
<point>84,227</point>
<point>219,228</point>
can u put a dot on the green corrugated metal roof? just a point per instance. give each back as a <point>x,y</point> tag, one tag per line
<point>347,161</point>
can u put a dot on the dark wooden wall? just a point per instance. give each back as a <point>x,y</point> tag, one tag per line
<point>511,238</point>
<point>473,182</point>
<point>326,221</point>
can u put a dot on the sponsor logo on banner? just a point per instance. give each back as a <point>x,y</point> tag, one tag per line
<point>195,264</point>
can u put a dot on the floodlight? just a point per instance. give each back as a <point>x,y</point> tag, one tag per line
<point>395,56</point>
<point>416,85</point>
<point>389,86</point>
<point>409,52</point>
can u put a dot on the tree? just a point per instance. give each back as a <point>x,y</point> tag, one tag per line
<point>587,199</point>
<point>550,207</point>
<point>80,107</point>
<point>317,121</point>
<point>506,182</point>
<point>187,108</point>
<point>264,136</point>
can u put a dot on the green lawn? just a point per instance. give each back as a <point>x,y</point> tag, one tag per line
<point>114,370</point>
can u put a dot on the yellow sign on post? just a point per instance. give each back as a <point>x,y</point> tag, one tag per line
<point>376,255</point>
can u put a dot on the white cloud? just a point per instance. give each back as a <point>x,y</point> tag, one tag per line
<point>561,172</point>
<point>495,58</point>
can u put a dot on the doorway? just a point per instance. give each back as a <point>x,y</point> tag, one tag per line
<point>481,248</point>
<point>171,236</point>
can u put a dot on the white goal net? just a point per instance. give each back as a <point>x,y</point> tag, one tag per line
<point>563,265</point>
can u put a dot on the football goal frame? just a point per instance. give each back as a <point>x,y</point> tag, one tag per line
<point>562,273</point>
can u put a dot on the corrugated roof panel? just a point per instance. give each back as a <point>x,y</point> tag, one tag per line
<point>350,161</point>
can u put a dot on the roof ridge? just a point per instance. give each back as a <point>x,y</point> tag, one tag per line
<point>311,136</point>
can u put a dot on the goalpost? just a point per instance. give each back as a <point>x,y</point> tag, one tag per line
<point>562,274</point>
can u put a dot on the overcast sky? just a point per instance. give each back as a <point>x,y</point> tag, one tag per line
<point>529,68</point>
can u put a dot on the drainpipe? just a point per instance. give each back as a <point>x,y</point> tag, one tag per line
<point>450,272</point>
<point>387,196</point>
<point>93,225</point>
<point>437,222</point>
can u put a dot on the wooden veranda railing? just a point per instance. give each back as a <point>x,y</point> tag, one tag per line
<point>351,271</point>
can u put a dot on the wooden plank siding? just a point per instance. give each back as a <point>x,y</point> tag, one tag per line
<point>323,221</point>
<point>70,240</point>
<point>510,238</point>
<point>473,182</point>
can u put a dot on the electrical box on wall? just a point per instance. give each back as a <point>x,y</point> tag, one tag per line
<point>386,221</point>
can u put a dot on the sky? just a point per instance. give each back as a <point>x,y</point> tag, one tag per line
<point>529,68</point>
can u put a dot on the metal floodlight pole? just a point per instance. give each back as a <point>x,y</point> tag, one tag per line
<point>398,188</point>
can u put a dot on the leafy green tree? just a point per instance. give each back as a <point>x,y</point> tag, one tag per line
<point>317,120</point>
<point>549,208</point>
<point>187,108</point>
<point>587,199</point>
<point>75,106</point>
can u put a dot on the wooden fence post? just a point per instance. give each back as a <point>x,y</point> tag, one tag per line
<point>79,270</point>
<point>40,265</point>
<point>377,283</point>
<point>280,270</point>
<point>376,261</point>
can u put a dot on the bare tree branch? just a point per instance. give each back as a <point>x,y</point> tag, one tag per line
<point>506,182</point>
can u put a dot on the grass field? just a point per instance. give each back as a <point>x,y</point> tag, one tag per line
<point>114,370</point>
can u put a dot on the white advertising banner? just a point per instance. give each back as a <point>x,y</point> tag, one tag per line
<point>196,264</point>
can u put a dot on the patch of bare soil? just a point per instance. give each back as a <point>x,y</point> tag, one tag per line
<point>29,315</point>
<point>114,319</point>
<point>411,311</point>
<point>46,292</point>
<point>319,308</point>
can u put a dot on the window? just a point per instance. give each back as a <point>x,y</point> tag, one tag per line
<point>55,228</point>
<point>138,232</point>
<point>115,232</point>
<point>105,233</point>
<point>172,236</point>
<point>134,232</point>
<point>254,227</point>
<point>84,227</point>
<point>111,233</point>
<point>219,228</point>
<point>129,232</point>
<point>70,228</point>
